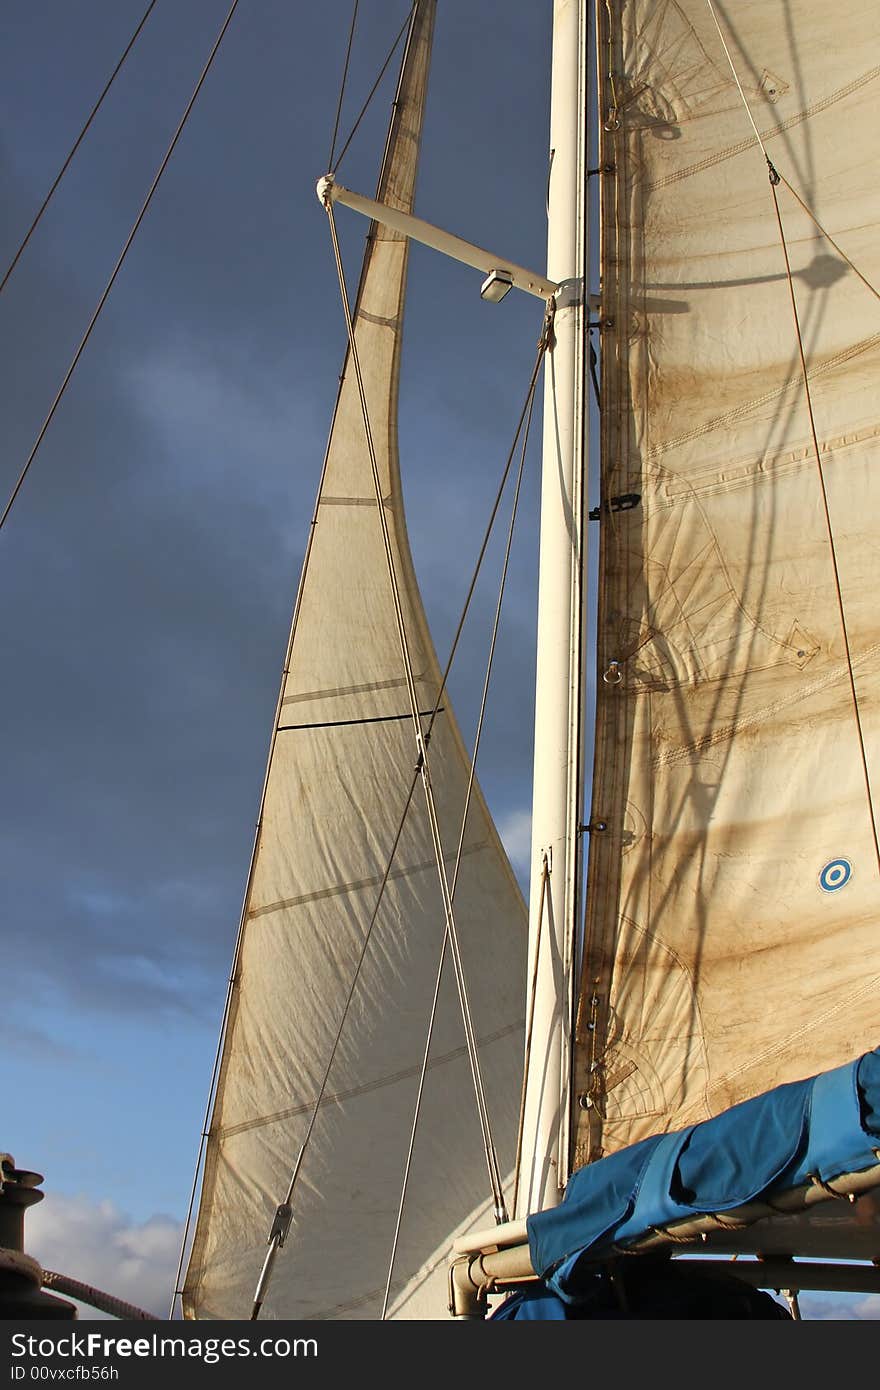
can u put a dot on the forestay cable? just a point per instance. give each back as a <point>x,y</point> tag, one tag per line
<point>276,728</point>
<point>542,347</point>
<point>423,763</point>
<point>284,1211</point>
<point>276,1239</point>
<point>76,144</point>
<point>391,52</point>
<point>116,269</point>
<point>342,85</point>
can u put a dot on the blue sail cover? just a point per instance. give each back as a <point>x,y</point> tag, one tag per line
<point>823,1127</point>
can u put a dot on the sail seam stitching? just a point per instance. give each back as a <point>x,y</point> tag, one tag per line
<point>745,470</point>
<point>338,889</point>
<point>367,719</point>
<point>756,1059</point>
<point>353,1092</point>
<point>333,692</point>
<point>804,692</point>
<point>846,355</point>
<point>840,95</point>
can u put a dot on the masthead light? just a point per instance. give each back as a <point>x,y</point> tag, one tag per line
<point>496,285</point>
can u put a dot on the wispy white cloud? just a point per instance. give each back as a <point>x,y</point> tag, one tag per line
<point>837,1307</point>
<point>515,830</point>
<point>98,1244</point>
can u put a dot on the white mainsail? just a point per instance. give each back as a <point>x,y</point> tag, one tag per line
<point>733,896</point>
<point>341,769</point>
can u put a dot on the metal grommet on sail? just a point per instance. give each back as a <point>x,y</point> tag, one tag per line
<point>613,674</point>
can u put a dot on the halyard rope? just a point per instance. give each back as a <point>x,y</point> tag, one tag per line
<point>372,92</point>
<point>390,861</point>
<point>342,85</point>
<point>421,744</point>
<point>97,1298</point>
<point>233,974</point>
<point>533,994</point>
<point>276,1237</point>
<point>500,1214</point>
<point>775,179</point>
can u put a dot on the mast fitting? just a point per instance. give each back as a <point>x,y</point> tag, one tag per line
<point>623,503</point>
<point>498,269</point>
<point>569,294</point>
<point>326,190</point>
<point>281,1224</point>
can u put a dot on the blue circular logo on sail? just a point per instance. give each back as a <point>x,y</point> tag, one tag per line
<point>836,874</point>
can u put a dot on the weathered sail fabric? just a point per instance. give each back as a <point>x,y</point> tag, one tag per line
<point>732,932</point>
<point>822,1128</point>
<point>341,769</point>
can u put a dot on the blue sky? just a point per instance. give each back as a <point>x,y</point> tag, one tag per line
<point>150,564</point>
<point>151,560</point>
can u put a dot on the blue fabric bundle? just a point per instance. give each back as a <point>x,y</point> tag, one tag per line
<point>825,1126</point>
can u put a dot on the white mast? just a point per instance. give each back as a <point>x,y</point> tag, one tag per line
<point>558,776</point>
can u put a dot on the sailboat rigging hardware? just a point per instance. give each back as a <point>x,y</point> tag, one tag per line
<point>686,589</point>
<point>423,765</point>
<point>281,1224</point>
<point>624,502</point>
<point>22,1278</point>
<point>329,192</point>
<point>774,180</point>
<point>524,428</point>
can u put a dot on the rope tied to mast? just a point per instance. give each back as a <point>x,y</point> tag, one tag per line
<point>525,419</point>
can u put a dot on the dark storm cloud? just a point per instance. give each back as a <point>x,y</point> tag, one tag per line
<point>154,550</point>
<point>149,567</point>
